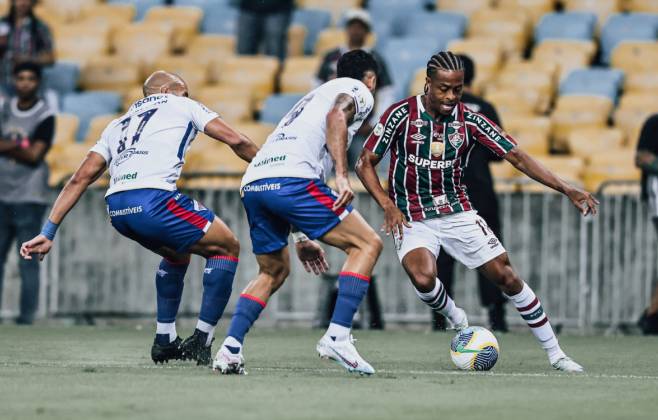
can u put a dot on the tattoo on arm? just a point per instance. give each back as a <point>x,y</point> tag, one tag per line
<point>345,103</point>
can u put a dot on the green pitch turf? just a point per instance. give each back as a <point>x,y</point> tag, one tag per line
<point>106,373</point>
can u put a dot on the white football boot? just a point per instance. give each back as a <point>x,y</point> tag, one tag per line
<point>460,320</point>
<point>565,364</point>
<point>228,363</point>
<point>344,353</point>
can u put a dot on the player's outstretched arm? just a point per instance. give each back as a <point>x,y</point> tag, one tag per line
<point>393,217</point>
<point>584,201</point>
<point>338,118</point>
<point>91,168</point>
<point>241,144</point>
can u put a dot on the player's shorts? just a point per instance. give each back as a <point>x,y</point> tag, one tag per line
<point>274,204</point>
<point>157,218</point>
<point>465,236</point>
<point>652,191</point>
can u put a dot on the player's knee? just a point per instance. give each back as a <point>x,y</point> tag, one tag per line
<point>424,280</point>
<point>508,281</point>
<point>278,272</point>
<point>372,245</point>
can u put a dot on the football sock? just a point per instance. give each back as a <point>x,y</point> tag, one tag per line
<point>438,300</point>
<point>169,287</point>
<point>531,311</point>
<point>246,313</point>
<point>352,287</point>
<point>217,285</point>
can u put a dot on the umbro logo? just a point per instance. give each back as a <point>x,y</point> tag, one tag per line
<point>418,138</point>
<point>207,270</point>
<point>493,242</point>
<point>162,273</point>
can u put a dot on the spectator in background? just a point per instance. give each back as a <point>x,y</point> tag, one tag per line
<point>646,159</point>
<point>479,184</point>
<point>264,22</point>
<point>27,131</point>
<point>357,28</point>
<point>23,37</point>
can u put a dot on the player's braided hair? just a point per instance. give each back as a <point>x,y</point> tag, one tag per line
<point>444,60</point>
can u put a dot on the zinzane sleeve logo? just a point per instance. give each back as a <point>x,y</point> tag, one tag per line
<point>489,134</point>
<point>382,135</point>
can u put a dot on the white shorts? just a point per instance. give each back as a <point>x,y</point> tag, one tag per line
<point>465,236</point>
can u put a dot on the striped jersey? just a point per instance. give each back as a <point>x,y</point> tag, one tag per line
<point>428,156</point>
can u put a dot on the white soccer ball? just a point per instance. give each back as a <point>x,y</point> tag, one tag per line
<point>474,348</point>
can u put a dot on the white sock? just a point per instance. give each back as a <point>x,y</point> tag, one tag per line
<point>531,311</point>
<point>338,331</point>
<point>231,342</point>
<point>438,300</point>
<point>167,328</point>
<point>206,328</point>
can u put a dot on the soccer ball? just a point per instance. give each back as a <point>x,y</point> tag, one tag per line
<point>474,348</point>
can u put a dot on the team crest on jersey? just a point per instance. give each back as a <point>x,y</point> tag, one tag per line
<point>418,138</point>
<point>456,139</point>
<point>419,123</point>
<point>379,129</point>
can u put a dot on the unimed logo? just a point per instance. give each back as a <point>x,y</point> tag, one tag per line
<point>125,177</point>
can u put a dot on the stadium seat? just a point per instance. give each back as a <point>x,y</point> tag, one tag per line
<point>220,20</point>
<point>299,74</point>
<point>113,16</point>
<point>534,82</point>
<point>440,26</point>
<point>256,131</point>
<point>96,127</point>
<point>641,6</point>
<point>87,105</point>
<point>641,82</point>
<point>210,155</point>
<point>194,74</point>
<point>587,142</point>
<point>569,167</point>
<point>335,7</point>
<point>332,38</point>
<point>568,55</point>
<point>463,7</point>
<point>296,38</point>
<point>531,132</point>
<point>593,81</point>
<point>80,42</point>
<point>602,8</point>
<point>63,160</point>
<point>66,127</point>
<point>209,50</point>
<point>230,103</point>
<point>509,102</point>
<point>390,17</point>
<point>627,27</point>
<point>511,27</point>
<point>66,10</point>
<point>154,42</point>
<point>203,4</point>
<point>534,9</point>
<point>635,56</point>
<point>568,25</point>
<point>315,21</point>
<point>109,73</point>
<point>277,106</point>
<point>578,111</point>
<point>254,74</point>
<point>62,77</point>
<point>131,95</point>
<point>632,112</point>
<point>141,6</point>
<point>615,165</point>
<point>185,21</point>
<point>487,54</point>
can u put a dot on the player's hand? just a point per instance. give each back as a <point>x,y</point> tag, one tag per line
<point>312,257</point>
<point>40,245</point>
<point>394,221</point>
<point>345,193</point>
<point>584,201</point>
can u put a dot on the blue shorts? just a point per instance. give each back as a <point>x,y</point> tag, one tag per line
<point>274,204</point>
<point>157,218</point>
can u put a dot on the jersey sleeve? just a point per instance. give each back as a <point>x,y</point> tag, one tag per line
<point>200,115</point>
<point>487,133</point>
<point>102,146</point>
<point>363,100</point>
<point>381,137</point>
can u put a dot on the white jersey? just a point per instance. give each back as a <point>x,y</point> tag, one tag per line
<point>145,148</point>
<point>297,148</point>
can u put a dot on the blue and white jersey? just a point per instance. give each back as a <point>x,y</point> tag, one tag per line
<point>297,148</point>
<point>145,148</point>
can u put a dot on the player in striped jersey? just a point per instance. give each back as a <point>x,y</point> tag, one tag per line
<point>427,207</point>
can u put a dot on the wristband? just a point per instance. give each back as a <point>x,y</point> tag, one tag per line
<point>299,237</point>
<point>49,229</point>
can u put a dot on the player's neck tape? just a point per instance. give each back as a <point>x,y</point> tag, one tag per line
<point>49,229</point>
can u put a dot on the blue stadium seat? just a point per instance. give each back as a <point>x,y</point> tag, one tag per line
<point>405,56</point>
<point>203,4</point>
<point>62,77</point>
<point>315,20</point>
<point>394,13</point>
<point>444,26</point>
<point>277,106</point>
<point>593,81</point>
<point>570,25</point>
<point>141,5</point>
<point>627,27</point>
<point>87,105</point>
<point>220,20</point>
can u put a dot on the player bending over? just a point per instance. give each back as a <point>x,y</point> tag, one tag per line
<point>429,137</point>
<point>284,186</point>
<point>145,152</point>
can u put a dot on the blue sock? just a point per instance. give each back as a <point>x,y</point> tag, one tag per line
<point>352,287</point>
<point>246,313</point>
<point>217,286</point>
<point>169,287</point>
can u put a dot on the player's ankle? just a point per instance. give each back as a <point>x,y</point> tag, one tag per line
<point>555,353</point>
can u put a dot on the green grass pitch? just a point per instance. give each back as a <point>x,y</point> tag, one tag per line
<point>57,372</point>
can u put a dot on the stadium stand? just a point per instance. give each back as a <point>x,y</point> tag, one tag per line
<point>298,74</point>
<point>511,27</point>
<point>277,106</point>
<point>96,127</point>
<point>62,77</point>
<point>593,81</point>
<point>87,105</point>
<point>464,7</point>
<point>568,25</point>
<point>627,27</point>
<point>184,20</point>
<point>232,104</point>
<point>141,6</point>
<point>315,21</point>
<point>66,127</point>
